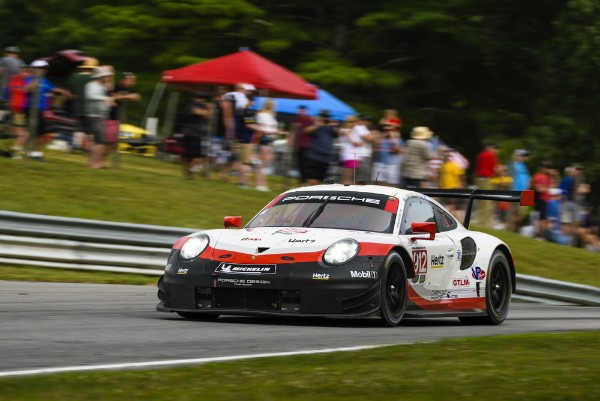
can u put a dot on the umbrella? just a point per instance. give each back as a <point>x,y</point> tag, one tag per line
<point>325,101</point>
<point>243,66</point>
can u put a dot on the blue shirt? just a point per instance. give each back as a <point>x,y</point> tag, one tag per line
<point>567,185</point>
<point>44,93</point>
<point>521,177</point>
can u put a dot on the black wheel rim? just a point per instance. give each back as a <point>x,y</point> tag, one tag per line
<point>394,291</point>
<point>499,287</point>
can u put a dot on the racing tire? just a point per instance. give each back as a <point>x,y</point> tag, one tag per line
<point>198,316</point>
<point>393,290</point>
<point>498,291</point>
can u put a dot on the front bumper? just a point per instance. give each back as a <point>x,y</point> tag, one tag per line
<point>299,289</point>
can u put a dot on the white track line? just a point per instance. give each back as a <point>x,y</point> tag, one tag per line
<point>174,362</point>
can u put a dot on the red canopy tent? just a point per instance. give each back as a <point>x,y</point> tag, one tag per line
<point>244,66</point>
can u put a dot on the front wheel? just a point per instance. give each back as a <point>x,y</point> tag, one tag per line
<point>393,292</point>
<point>498,292</point>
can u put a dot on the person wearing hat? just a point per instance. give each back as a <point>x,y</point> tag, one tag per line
<point>9,66</point>
<point>17,102</point>
<point>415,166</point>
<point>76,83</point>
<point>96,109</point>
<point>40,91</point>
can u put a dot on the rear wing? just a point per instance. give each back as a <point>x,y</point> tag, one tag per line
<point>525,198</point>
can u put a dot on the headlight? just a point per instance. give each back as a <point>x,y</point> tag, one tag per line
<point>194,247</point>
<point>341,252</point>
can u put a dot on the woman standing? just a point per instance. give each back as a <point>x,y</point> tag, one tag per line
<point>350,150</point>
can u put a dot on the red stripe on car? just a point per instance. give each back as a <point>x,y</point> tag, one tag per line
<point>451,304</point>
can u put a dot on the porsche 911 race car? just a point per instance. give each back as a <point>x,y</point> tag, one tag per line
<point>346,251</point>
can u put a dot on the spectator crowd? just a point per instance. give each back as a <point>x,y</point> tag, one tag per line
<point>91,97</point>
<point>224,128</point>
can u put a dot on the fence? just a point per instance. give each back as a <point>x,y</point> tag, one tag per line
<point>62,242</point>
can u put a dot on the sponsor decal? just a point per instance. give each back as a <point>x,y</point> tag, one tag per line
<point>182,270</point>
<point>458,256</point>
<point>338,198</point>
<point>461,282</point>
<point>420,261</point>
<point>437,261</point>
<point>301,241</point>
<point>250,239</point>
<point>363,274</point>
<point>477,273</point>
<point>436,295</point>
<point>228,268</point>
<point>320,276</point>
<point>168,267</point>
<point>420,279</point>
<point>291,231</point>
<point>243,282</point>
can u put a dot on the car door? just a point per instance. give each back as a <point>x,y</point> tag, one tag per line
<point>432,259</point>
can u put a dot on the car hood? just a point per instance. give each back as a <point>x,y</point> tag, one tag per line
<point>281,240</point>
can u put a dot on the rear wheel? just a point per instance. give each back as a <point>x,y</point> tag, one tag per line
<point>498,292</point>
<point>393,290</point>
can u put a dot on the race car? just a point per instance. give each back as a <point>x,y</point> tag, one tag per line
<point>346,251</point>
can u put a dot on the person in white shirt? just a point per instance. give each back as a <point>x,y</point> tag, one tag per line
<point>267,121</point>
<point>362,131</point>
<point>97,107</point>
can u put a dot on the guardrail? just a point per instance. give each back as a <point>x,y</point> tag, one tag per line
<point>70,243</point>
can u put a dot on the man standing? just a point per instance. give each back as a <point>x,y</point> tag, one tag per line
<point>40,91</point>
<point>485,170</point>
<point>521,182</point>
<point>301,139</point>
<point>17,102</point>
<point>97,107</point>
<point>235,113</point>
<point>9,66</point>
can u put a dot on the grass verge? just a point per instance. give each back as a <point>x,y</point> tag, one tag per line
<point>55,275</point>
<point>151,191</point>
<point>532,367</point>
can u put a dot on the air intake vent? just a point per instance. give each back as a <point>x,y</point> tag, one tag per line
<point>469,250</point>
<point>261,249</point>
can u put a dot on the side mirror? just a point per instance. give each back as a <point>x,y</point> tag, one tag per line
<point>232,221</point>
<point>430,228</point>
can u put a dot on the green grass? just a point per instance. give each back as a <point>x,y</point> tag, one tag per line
<point>151,191</point>
<point>545,259</point>
<point>55,275</point>
<point>525,367</point>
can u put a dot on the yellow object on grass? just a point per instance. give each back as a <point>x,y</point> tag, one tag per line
<point>136,140</point>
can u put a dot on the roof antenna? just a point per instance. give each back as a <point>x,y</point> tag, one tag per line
<point>376,178</point>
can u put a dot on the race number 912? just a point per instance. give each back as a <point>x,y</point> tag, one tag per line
<point>420,261</point>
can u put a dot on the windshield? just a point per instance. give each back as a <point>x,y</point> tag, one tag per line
<point>328,211</point>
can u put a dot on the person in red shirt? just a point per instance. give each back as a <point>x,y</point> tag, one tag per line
<point>17,101</point>
<point>541,183</point>
<point>485,170</point>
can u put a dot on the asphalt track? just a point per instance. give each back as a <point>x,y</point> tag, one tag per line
<point>48,325</point>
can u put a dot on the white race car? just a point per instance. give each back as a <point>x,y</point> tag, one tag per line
<point>346,251</point>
